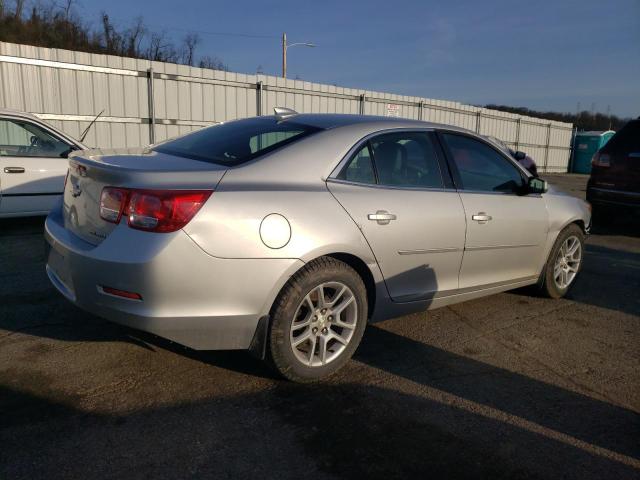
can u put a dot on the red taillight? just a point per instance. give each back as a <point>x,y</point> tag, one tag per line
<point>152,210</point>
<point>601,160</point>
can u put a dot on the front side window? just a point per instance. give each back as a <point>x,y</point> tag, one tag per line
<point>20,138</point>
<point>481,167</point>
<point>234,143</point>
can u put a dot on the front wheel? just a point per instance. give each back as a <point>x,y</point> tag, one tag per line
<point>564,262</point>
<point>318,320</point>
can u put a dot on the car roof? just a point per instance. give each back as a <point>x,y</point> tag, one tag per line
<point>18,113</point>
<point>327,121</point>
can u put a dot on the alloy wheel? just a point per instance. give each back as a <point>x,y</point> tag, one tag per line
<point>567,262</point>
<point>324,324</point>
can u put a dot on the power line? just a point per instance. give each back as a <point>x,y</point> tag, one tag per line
<point>201,32</point>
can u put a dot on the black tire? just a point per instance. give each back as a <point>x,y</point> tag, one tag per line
<point>548,286</point>
<point>281,351</point>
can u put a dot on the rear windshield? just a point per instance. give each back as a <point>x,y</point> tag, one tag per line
<point>626,140</point>
<point>234,143</point>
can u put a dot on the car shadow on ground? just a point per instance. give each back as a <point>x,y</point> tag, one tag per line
<point>470,420</point>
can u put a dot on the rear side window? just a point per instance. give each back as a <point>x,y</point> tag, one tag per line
<point>627,139</point>
<point>404,159</point>
<point>233,143</point>
<point>360,168</point>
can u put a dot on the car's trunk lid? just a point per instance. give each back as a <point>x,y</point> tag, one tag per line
<point>90,171</point>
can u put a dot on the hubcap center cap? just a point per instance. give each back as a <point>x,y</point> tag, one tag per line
<point>322,321</point>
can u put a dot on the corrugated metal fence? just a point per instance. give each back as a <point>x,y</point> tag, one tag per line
<point>145,102</point>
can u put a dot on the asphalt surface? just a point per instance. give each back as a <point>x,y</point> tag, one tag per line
<point>510,386</point>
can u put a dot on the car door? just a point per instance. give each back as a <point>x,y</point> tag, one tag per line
<point>506,229</point>
<point>412,218</point>
<point>33,165</point>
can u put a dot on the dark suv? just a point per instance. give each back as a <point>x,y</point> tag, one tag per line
<point>615,172</point>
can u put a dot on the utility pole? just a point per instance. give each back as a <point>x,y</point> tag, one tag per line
<point>284,55</point>
<point>285,46</point>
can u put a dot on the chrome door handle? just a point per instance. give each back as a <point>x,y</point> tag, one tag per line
<point>481,217</point>
<point>13,170</point>
<point>382,217</point>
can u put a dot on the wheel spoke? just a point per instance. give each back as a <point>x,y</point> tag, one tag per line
<point>341,324</point>
<point>301,339</point>
<point>337,337</point>
<point>337,296</point>
<point>323,341</point>
<point>312,351</point>
<point>338,310</point>
<point>557,271</point>
<point>304,323</point>
<point>320,293</point>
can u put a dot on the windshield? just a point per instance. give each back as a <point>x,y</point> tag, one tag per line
<point>234,143</point>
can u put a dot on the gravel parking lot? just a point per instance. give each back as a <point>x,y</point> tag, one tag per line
<point>511,386</point>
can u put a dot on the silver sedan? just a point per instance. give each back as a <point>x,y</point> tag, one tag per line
<point>286,234</point>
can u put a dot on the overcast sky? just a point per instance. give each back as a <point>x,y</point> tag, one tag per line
<point>536,54</point>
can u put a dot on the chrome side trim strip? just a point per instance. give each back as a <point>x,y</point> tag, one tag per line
<point>498,247</point>
<point>429,250</point>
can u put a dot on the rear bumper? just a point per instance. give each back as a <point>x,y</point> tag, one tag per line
<point>609,197</point>
<point>188,296</point>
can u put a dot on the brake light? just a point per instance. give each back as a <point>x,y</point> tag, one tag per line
<point>601,160</point>
<point>152,210</point>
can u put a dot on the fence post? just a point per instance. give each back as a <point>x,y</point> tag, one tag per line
<point>259,99</point>
<point>572,149</point>
<point>518,133</point>
<point>546,152</point>
<point>152,113</point>
<point>420,110</point>
<point>363,99</point>
<point>478,116</point>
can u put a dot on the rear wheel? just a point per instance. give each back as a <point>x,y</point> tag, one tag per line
<point>564,262</point>
<point>318,320</point>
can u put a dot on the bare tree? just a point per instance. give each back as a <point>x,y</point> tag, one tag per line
<point>134,38</point>
<point>19,8</point>
<point>213,63</point>
<point>191,41</point>
<point>161,49</point>
<point>66,8</point>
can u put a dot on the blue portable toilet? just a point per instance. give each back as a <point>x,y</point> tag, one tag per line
<point>585,146</point>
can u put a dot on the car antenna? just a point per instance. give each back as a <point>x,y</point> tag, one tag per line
<point>86,130</point>
<point>283,113</point>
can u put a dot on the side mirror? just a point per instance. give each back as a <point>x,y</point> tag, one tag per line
<point>519,155</point>
<point>537,185</point>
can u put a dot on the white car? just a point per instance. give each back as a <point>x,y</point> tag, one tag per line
<point>33,164</point>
